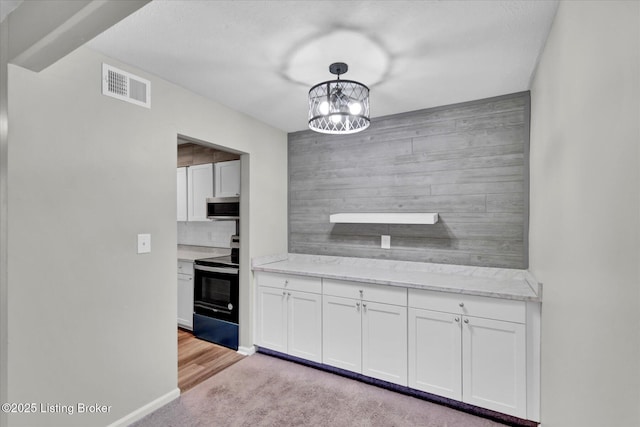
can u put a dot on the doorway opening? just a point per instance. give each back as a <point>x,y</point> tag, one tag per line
<point>206,175</point>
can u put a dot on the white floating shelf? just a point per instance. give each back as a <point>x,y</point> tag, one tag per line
<point>384,218</point>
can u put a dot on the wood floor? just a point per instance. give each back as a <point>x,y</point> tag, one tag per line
<point>199,360</point>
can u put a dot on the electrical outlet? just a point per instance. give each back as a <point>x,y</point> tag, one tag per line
<point>144,243</point>
<point>385,241</point>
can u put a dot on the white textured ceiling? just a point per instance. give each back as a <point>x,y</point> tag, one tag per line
<point>261,57</point>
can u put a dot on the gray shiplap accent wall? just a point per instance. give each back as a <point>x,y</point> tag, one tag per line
<point>469,162</point>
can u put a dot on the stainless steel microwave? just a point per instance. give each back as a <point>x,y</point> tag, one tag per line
<point>223,208</point>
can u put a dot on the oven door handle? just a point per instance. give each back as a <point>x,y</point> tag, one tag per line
<point>208,307</point>
<point>216,269</point>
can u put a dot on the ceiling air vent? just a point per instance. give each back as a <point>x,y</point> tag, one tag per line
<point>125,86</point>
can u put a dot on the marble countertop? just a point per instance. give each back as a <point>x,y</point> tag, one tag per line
<point>484,281</point>
<point>191,253</point>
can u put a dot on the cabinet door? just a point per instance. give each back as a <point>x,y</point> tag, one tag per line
<point>182,194</point>
<point>341,333</point>
<point>435,353</point>
<point>304,335</point>
<point>185,301</point>
<point>384,342</point>
<point>272,319</point>
<point>227,179</point>
<point>200,186</point>
<point>494,365</point>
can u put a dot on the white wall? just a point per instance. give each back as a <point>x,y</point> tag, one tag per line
<point>585,214</point>
<point>89,319</point>
<point>4,223</point>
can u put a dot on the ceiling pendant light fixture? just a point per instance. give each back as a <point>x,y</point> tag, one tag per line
<point>339,106</point>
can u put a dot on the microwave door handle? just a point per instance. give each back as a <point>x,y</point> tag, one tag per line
<point>216,269</point>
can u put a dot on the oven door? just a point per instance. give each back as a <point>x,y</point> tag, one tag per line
<point>215,292</point>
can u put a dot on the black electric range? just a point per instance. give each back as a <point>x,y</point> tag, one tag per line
<point>216,298</point>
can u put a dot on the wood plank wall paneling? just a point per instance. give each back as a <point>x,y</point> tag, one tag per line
<point>193,154</point>
<point>468,162</point>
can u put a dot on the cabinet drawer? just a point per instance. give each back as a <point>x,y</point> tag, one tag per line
<point>470,305</point>
<point>289,281</point>
<point>365,291</point>
<point>187,277</point>
<point>185,267</point>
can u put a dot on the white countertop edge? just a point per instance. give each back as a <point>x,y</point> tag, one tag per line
<point>266,264</point>
<point>438,288</point>
<point>535,286</point>
<point>268,259</point>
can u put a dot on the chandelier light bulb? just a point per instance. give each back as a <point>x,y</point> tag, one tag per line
<point>355,108</point>
<point>336,118</point>
<point>323,108</point>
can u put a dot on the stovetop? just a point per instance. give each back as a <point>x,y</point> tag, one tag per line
<point>219,261</point>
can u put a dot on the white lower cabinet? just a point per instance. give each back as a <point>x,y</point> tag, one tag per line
<point>435,353</point>
<point>304,325</point>
<point>494,365</point>
<point>342,333</point>
<point>479,350</point>
<point>384,342</point>
<point>272,319</point>
<point>289,320</point>
<point>363,336</point>
<point>480,361</point>
<point>185,294</point>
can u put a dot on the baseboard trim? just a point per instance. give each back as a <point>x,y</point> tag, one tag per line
<point>247,351</point>
<point>146,409</point>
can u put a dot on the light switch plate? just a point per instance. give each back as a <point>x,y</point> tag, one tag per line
<point>385,241</point>
<point>144,243</point>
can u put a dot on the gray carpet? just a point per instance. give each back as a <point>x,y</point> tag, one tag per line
<point>265,391</point>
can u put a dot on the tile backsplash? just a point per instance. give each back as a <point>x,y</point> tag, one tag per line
<point>214,233</point>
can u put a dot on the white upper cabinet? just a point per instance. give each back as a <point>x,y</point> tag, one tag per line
<point>182,194</point>
<point>200,187</point>
<point>227,179</point>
